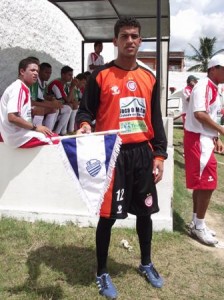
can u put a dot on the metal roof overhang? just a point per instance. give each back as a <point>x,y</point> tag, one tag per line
<point>95,20</point>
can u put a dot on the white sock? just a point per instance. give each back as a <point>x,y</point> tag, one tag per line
<point>71,123</point>
<point>38,120</point>
<point>194,216</point>
<point>49,120</point>
<point>63,119</point>
<point>200,223</point>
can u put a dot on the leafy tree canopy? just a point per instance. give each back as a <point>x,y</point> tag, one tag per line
<point>202,55</point>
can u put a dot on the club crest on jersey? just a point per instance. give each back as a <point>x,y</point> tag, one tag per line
<point>93,166</point>
<point>115,90</point>
<point>148,200</point>
<point>131,85</point>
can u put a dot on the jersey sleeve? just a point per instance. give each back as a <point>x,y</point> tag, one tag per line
<point>89,60</point>
<point>199,98</point>
<point>159,142</point>
<point>58,90</point>
<point>90,101</point>
<point>15,99</point>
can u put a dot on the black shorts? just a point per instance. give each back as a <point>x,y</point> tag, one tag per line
<point>132,187</point>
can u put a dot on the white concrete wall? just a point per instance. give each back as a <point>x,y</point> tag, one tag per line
<point>35,185</point>
<point>36,28</point>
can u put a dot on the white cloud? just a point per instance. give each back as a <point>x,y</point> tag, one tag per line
<point>191,20</point>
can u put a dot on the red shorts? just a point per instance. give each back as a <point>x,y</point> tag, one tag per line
<point>200,161</point>
<point>34,142</point>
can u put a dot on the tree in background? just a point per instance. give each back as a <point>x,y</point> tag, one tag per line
<point>203,54</point>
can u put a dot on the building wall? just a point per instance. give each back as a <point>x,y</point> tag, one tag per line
<point>36,28</point>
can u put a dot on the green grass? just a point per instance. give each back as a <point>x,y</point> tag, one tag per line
<point>40,261</point>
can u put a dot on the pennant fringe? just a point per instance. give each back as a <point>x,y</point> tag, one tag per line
<point>113,159</point>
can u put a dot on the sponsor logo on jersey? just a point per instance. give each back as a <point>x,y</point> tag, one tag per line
<point>131,85</point>
<point>115,90</point>
<point>93,166</point>
<point>134,126</point>
<point>132,107</point>
<point>148,200</point>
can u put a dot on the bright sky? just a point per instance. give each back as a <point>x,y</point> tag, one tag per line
<point>192,19</point>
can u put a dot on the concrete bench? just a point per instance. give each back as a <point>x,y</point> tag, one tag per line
<point>35,185</point>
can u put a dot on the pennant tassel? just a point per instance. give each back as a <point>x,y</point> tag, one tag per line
<point>113,159</point>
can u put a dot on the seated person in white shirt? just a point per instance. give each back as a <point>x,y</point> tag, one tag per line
<point>16,126</point>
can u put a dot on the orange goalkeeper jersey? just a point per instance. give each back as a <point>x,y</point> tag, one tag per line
<point>125,100</point>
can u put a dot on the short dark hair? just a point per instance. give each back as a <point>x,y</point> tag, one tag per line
<point>66,69</point>
<point>87,73</point>
<point>35,58</point>
<point>23,64</point>
<point>126,21</point>
<point>45,65</point>
<point>81,76</point>
<point>97,43</point>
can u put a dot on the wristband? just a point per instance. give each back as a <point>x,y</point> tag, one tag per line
<point>34,128</point>
<point>161,158</point>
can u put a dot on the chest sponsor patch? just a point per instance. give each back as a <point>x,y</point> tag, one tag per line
<point>133,126</point>
<point>132,107</point>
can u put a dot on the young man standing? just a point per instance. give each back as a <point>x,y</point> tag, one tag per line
<point>200,140</point>
<point>95,59</point>
<point>123,95</point>
<point>16,126</point>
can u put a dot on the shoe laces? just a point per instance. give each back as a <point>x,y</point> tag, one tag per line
<point>153,271</point>
<point>104,281</point>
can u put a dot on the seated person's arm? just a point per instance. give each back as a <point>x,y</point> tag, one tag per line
<point>18,121</point>
<point>15,119</point>
<point>71,96</point>
<point>47,104</point>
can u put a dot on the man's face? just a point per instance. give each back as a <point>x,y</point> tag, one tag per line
<point>128,41</point>
<point>219,74</point>
<point>45,74</point>
<point>67,77</point>
<point>193,82</point>
<point>29,76</point>
<point>99,48</point>
<point>82,83</point>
